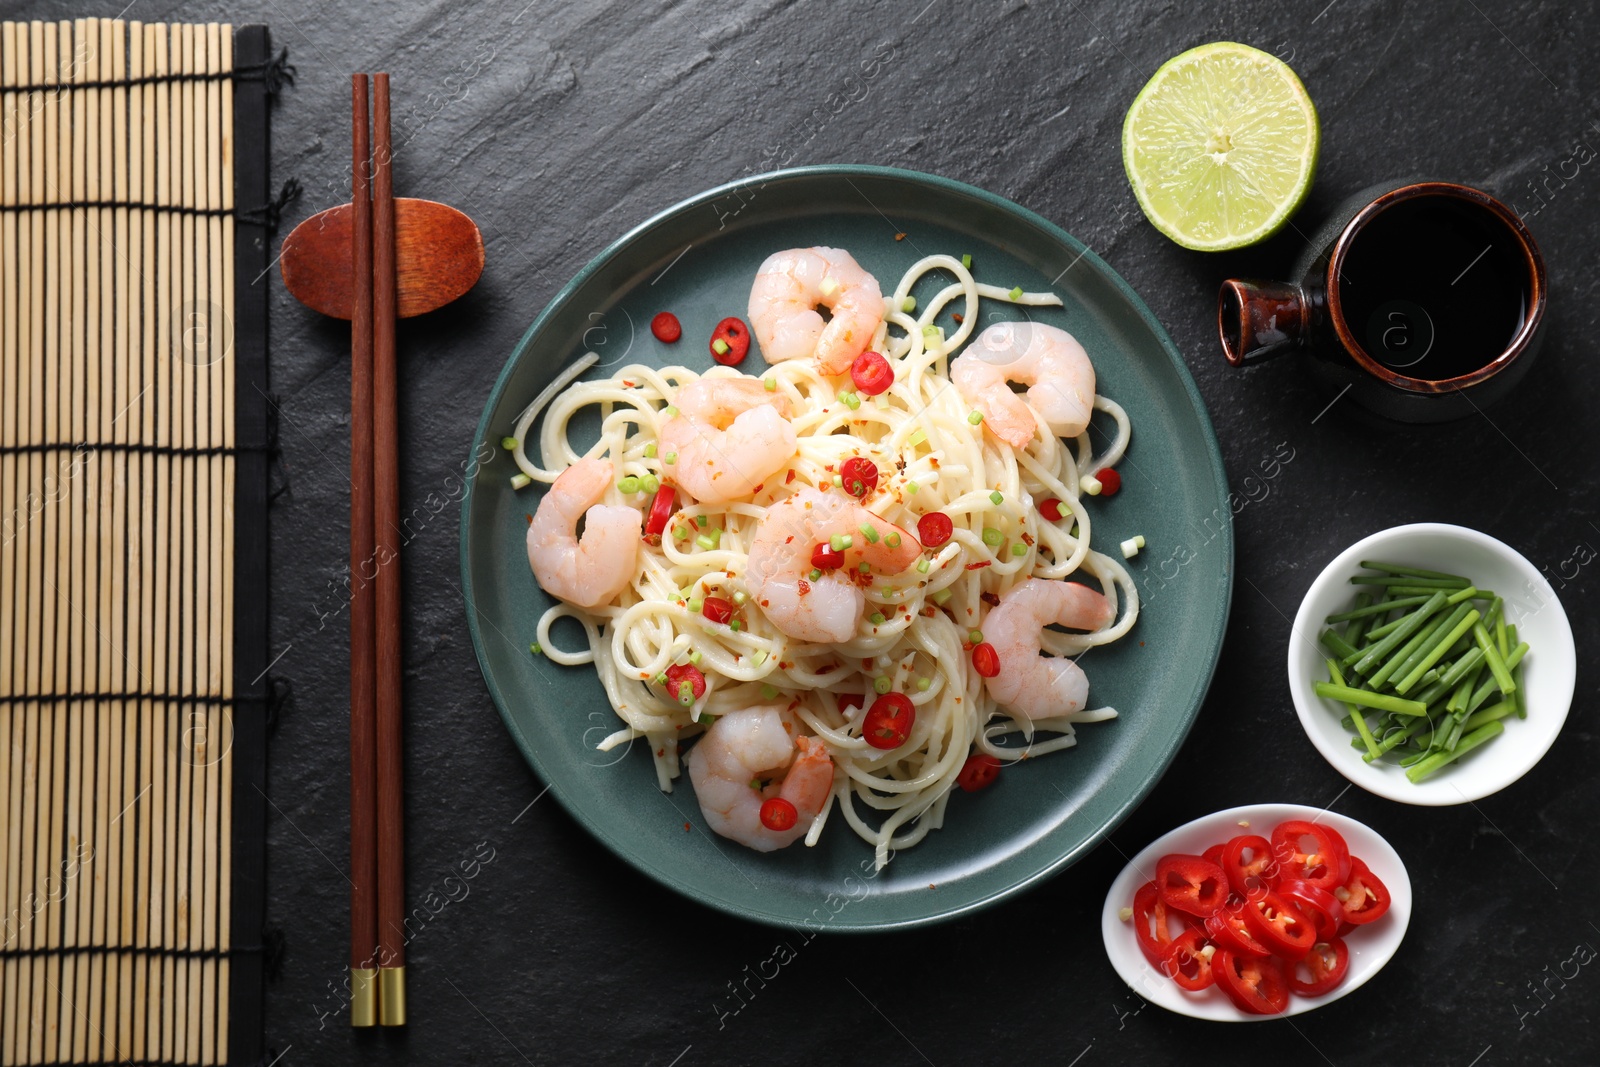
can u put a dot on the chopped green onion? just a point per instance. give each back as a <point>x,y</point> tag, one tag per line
<point>740,596</point>
<point>852,401</point>
<point>870,532</point>
<point>661,679</point>
<point>694,656</point>
<point>1016,292</point>
<point>670,458</point>
<point>892,539</point>
<point>1019,549</point>
<point>1411,572</point>
<point>670,412</point>
<point>1381,701</point>
<point>686,693</point>
<point>997,497</point>
<point>680,533</point>
<point>975,637</point>
<point>649,483</point>
<point>704,541</point>
<point>876,618</point>
<point>922,566</point>
<point>908,304</point>
<point>520,481</point>
<point>650,450</point>
<point>701,521</point>
<point>1090,485</point>
<point>975,417</point>
<point>768,692</point>
<point>923,684</point>
<point>760,657</point>
<point>1381,608</point>
<point>815,575</point>
<point>735,625</point>
<point>696,605</point>
<point>1356,714</point>
<point>508,443</point>
<point>770,384</point>
<point>1439,760</point>
<point>942,597</point>
<point>720,347</point>
<point>862,567</point>
<point>912,487</point>
<point>1130,548</point>
<point>966,261</point>
<point>705,719</point>
<point>880,684</point>
<point>840,542</point>
<point>917,437</point>
<point>1497,663</point>
<point>1439,648</point>
<point>992,537</point>
<point>838,481</point>
<point>930,330</point>
<point>629,485</point>
<point>535,649</point>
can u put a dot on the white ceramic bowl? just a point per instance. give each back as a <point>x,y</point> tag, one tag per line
<point>1370,946</point>
<point>1548,669</point>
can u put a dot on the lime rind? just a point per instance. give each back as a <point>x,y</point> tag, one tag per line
<point>1221,146</point>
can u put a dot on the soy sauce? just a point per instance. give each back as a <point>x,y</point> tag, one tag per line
<point>1434,287</point>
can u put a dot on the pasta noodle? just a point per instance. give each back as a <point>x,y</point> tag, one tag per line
<point>930,457</point>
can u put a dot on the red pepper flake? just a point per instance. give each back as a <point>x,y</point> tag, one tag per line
<point>1027,539</point>
<point>788,539</point>
<point>899,237</point>
<point>957,316</point>
<point>804,587</point>
<point>990,599</point>
<point>787,478</point>
<point>661,752</point>
<point>979,567</point>
<point>530,520</point>
<point>626,384</point>
<point>685,827</point>
<point>758,489</point>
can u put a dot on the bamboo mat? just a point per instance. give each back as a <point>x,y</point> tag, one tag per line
<point>132,564</point>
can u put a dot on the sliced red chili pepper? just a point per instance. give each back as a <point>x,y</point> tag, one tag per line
<point>735,337</point>
<point>666,327</point>
<point>888,722</point>
<point>1214,854</point>
<point>824,558</point>
<point>779,814</point>
<point>1227,929</point>
<point>934,529</point>
<point>1279,925</point>
<point>871,373</point>
<point>979,772</point>
<point>1110,481</point>
<point>1245,858</point>
<point>1365,897</point>
<point>858,475</point>
<point>1255,985</point>
<point>716,609</point>
<point>1318,905</point>
<point>1185,963</point>
<point>685,672</point>
<point>661,509</point>
<point>1150,927</point>
<point>1328,962</point>
<point>1191,884</point>
<point>1050,508</point>
<point>1325,865</point>
<point>985,660</point>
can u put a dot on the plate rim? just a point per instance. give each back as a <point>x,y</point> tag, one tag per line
<point>1213,453</point>
<point>1111,922</point>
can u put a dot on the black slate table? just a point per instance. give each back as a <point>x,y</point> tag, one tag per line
<point>558,126</point>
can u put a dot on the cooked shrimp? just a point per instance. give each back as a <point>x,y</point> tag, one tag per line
<point>1032,685</point>
<point>591,570</point>
<point>828,609</point>
<point>729,435</point>
<point>1049,361</point>
<point>783,307</point>
<point>755,743</point>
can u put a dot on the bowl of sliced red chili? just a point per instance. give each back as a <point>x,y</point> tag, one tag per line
<point>1256,913</point>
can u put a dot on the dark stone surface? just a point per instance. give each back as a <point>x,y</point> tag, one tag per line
<point>557,126</point>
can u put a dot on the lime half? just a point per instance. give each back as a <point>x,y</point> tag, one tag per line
<point>1221,146</point>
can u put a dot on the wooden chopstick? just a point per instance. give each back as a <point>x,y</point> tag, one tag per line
<point>363,654</point>
<point>386,504</point>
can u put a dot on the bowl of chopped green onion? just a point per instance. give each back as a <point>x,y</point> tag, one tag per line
<point>1431,664</point>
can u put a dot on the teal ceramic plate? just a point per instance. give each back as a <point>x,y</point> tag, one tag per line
<point>698,260</point>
